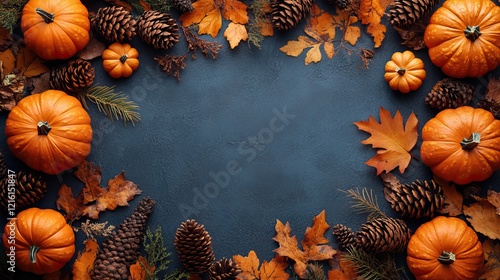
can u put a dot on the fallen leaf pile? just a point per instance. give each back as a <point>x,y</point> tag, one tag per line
<point>94,199</point>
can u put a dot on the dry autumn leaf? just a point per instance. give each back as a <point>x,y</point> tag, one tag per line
<point>84,263</point>
<point>273,270</point>
<point>494,198</point>
<point>141,269</point>
<point>314,244</point>
<point>208,15</point>
<point>345,22</point>
<point>453,202</point>
<point>5,39</point>
<point>393,141</point>
<point>235,33</point>
<point>93,199</point>
<point>491,270</point>
<point>29,64</point>
<point>342,269</point>
<point>7,61</point>
<point>483,218</point>
<point>370,13</point>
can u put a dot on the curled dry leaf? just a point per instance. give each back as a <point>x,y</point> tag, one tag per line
<point>84,263</point>
<point>483,218</point>
<point>453,203</point>
<point>250,270</point>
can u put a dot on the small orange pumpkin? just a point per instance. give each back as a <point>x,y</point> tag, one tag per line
<point>404,72</point>
<point>41,239</point>
<point>445,248</point>
<point>49,131</point>
<point>462,37</point>
<point>55,29</point>
<point>120,60</point>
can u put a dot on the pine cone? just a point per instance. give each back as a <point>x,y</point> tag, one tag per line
<point>404,13</point>
<point>345,237</point>
<point>286,14</point>
<point>223,269</point>
<point>194,246</point>
<point>3,166</point>
<point>383,235</point>
<point>418,200</point>
<point>490,105</point>
<point>29,188</point>
<point>158,29</point>
<point>182,6</point>
<point>342,4</point>
<point>114,24</point>
<point>72,76</point>
<point>121,248</point>
<point>449,93</point>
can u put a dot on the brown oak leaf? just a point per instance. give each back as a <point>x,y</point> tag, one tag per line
<point>342,268</point>
<point>314,244</point>
<point>453,202</point>
<point>483,218</point>
<point>370,13</point>
<point>84,263</point>
<point>250,270</point>
<point>491,269</point>
<point>92,198</point>
<point>208,15</point>
<point>393,141</point>
<point>494,198</point>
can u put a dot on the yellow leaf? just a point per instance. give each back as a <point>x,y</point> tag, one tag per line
<point>200,9</point>
<point>352,34</point>
<point>8,61</point>
<point>84,263</point>
<point>211,24</point>
<point>30,64</point>
<point>313,55</point>
<point>329,49</point>
<point>235,33</point>
<point>295,48</point>
<point>370,13</point>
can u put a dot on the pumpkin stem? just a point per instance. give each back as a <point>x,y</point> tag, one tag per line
<point>123,58</point>
<point>43,128</point>
<point>472,33</point>
<point>471,142</point>
<point>33,250</point>
<point>447,257</point>
<point>48,17</point>
<point>401,70</point>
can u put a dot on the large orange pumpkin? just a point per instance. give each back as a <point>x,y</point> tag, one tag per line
<point>463,39</point>
<point>49,131</point>
<point>462,145</point>
<point>41,240</point>
<point>55,29</point>
<point>445,249</point>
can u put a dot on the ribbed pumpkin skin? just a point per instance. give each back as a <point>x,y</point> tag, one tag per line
<point>112,63</point>
<point>46,229</point>
<point>451,50</point>
<point>448,234</point>
<point>442,152</point>
<point>64,147</point>
<point>413,72</point>
<point>60,39</point>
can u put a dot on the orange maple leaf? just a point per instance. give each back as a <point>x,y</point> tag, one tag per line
<point>234,33</point>
<point>370,13</point>
<point>208,15</point>
<point>93,199</point>
<point>314,246</point>
<point>393,141</point>
<point>249,266</point>
<point>84,263</point>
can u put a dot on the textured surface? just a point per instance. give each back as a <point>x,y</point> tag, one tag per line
<point>226,116</point>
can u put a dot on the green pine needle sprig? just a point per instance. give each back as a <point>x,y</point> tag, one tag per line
<point>114,105</point>
<point>371,266</point>
<point>364,201</point>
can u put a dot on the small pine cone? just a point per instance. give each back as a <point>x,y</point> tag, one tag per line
<point>345,237</point>
<point>416,200</point>
<point>449,93</point>
<point>490,105</point>
<point>383,235</point>
<point>114,24</point>
<point>404,13</point>
<point>223,269</point>
<point>75,75</point>
<point>286,14</point>
<point>29,188</point>
<point>194,246</point>
<point>158,29</point>
<point>3,166</point>
<point>121,248</point>
<point>182,6</point>
<point>342,4</point>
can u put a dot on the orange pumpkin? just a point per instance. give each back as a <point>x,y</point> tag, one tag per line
<point>41,239</point>
<point>49,131</point>
<point>445,248</point>
<point>120,60</point>
<point>463,38</point>
<point>55,29</point>
<point>462,145</point>
<point>404,72</point>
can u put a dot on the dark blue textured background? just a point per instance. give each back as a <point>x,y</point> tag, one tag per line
<point>214,117</point>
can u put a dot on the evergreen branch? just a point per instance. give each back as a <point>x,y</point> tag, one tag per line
<point>112,104</point>
<point>258,8</point>
<point>365,201</point>
<point>159,5</point>
<point>371,266</point>
<point>11,13</point>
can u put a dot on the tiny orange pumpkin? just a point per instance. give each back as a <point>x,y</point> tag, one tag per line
<point>120,60</point>
<point>404,72</point>
<point>42,240</point>
<point>445,248</point>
